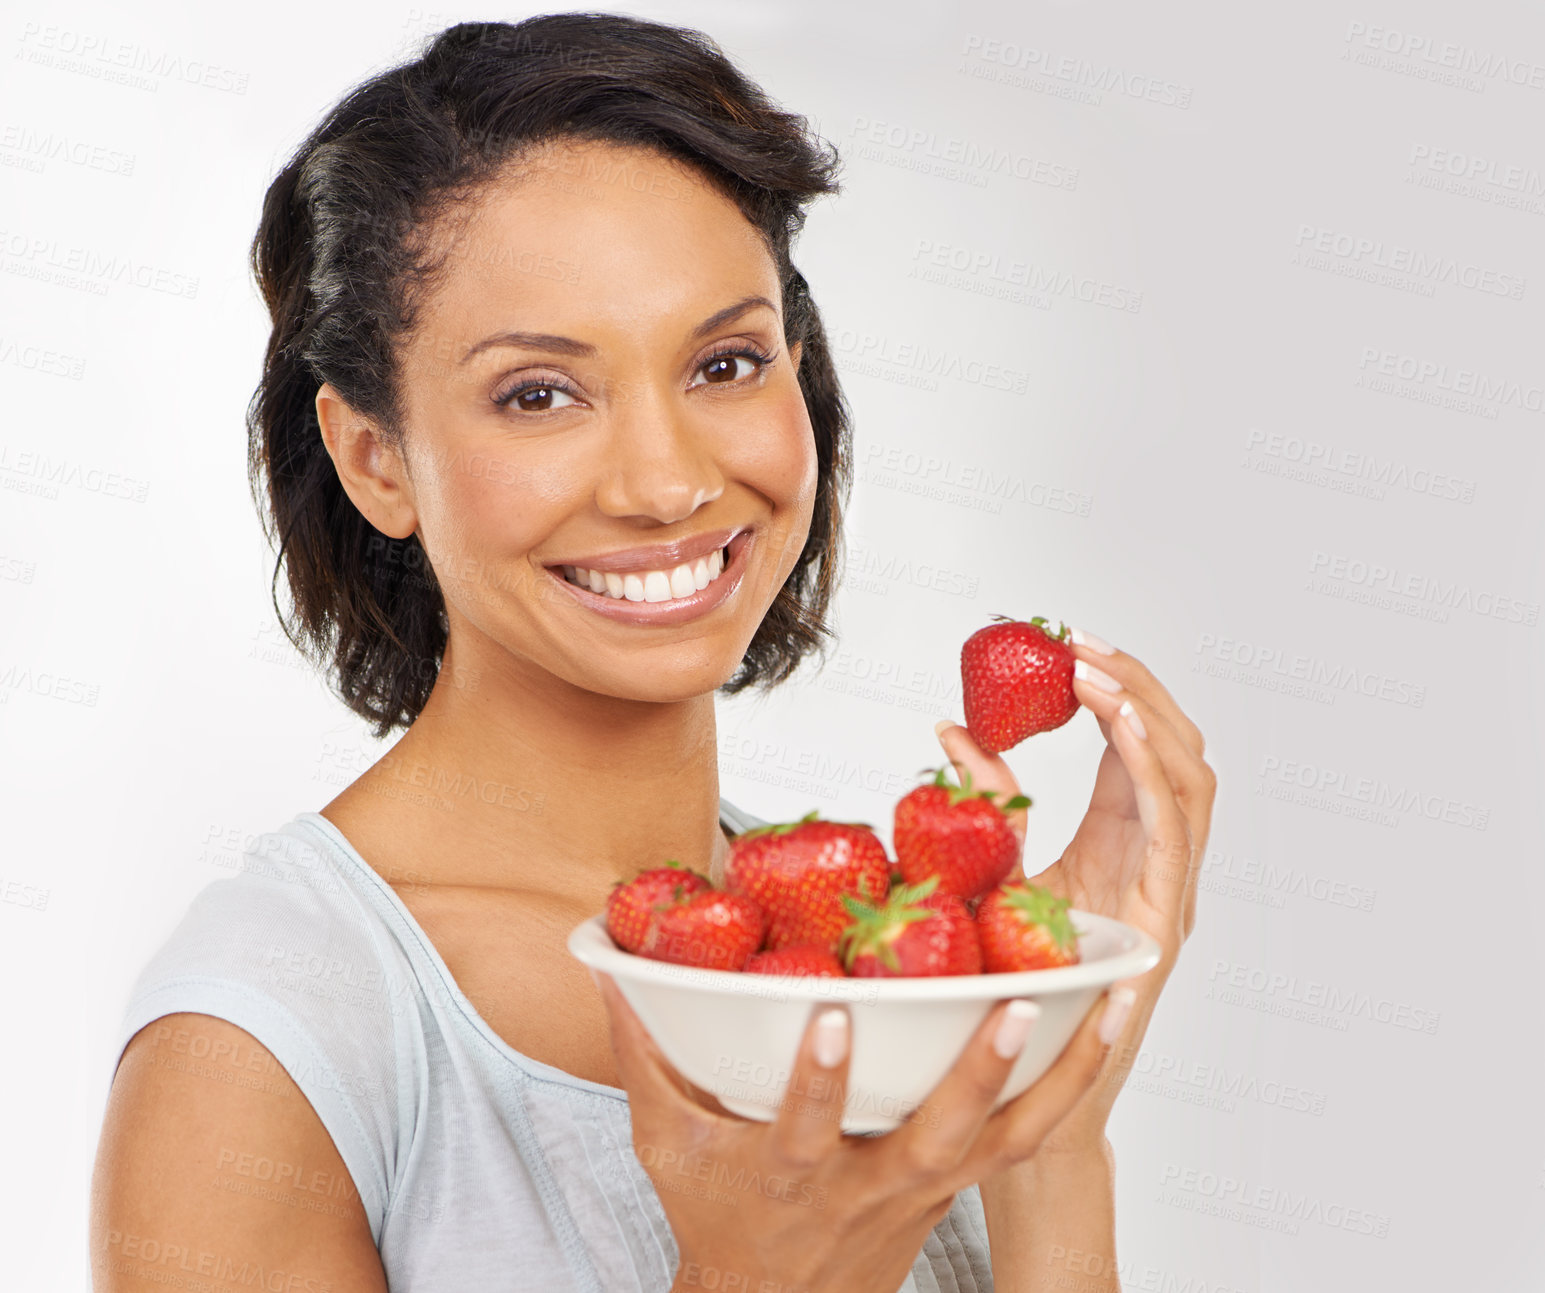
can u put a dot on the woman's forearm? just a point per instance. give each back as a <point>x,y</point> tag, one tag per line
<point>1051,1222</point>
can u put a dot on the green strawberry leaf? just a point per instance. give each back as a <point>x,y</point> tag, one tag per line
<point>874,927</point>
<point>1041,622</point>
<point>905,894</point>
<point>778,828</point>
<point>968,791</point>
<point>783,828</point>
<point>1040,906</point>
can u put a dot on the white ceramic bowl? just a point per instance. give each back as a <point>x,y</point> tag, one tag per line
<point>736,1035</point>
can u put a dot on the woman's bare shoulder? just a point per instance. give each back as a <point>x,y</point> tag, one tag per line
<point>212,1162</point>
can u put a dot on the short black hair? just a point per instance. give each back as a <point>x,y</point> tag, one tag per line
<point>338,259</point>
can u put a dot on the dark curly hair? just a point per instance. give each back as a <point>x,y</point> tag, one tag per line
<point>339,260</point>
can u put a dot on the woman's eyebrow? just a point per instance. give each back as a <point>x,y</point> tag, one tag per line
<point>569,346</point>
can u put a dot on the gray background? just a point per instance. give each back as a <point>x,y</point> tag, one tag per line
<point>1265,288</point>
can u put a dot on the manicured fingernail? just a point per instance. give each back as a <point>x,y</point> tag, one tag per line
<point>1086,672</point>
<point>1118,1005</point>
<point>831,1037</point>
<point>1080,638</point>
<point>1133,721</point>
<point>941,726</point>
<point>1014,1027</point>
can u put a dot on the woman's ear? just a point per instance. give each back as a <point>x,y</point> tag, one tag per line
<point>372,473</point>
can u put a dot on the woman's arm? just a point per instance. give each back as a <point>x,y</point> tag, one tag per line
<point>1051,1222</point>
<point>1135,856</point>
<point>171,1198</point>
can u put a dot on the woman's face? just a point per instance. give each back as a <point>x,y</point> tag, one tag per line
<point>586,388</point>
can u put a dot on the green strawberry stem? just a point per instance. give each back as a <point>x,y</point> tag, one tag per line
<point>1039,622</point>
<point>872,923</point>
<point>679,865</point>
<point>957,793</point>
<point>783,828</point>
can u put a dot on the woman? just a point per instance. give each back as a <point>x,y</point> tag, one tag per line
<point>554,448</point>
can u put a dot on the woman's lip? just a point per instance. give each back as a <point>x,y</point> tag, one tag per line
<point>675,610</point>
<point>665,556</point>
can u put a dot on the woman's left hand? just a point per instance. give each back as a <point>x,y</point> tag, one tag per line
<point>1137,852</point>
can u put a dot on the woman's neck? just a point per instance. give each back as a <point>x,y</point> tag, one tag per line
<point>503,785</point>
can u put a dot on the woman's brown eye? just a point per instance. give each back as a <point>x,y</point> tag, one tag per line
<point>721,369</point>
<point>536,399</point>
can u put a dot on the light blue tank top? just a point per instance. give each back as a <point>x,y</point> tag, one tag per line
<point>480,1169</point>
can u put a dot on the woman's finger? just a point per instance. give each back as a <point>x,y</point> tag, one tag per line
<point>940,1131</point>
<point>1016,1130</point>
<point>988,771</point>
<point>1136,677</point>
<point>1169,858</point>
<point>660,1098</point>
<point>1192,780</point>
<point>809,1122</point>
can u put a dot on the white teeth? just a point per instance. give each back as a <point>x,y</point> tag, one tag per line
<point>650,585</point>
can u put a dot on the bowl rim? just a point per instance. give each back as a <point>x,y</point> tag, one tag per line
<point>590,943</point>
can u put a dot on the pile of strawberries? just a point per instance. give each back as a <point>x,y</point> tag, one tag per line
<point>821,897</point>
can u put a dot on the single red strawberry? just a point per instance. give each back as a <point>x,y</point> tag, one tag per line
<point>915,932</point>
<point>1017,680</point>
<point>799,871</point>
<point>631,904</point>
<point>800,958</point>
<point>956,833</point>
<point>710,929</point>
<point>1023,926</point>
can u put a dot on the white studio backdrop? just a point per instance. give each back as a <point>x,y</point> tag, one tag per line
<point>1212,329</point>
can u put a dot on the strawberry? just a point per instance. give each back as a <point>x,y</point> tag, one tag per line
<point>916,931</point>
<point>957,834</point>
<point>1017,679</point>
<point>631,904</point>
<point>798,872</point>
<point>710,929</point>
<point>798,958</point>
<point>1023,926</point>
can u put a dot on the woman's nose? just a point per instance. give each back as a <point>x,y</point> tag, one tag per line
<point>658,462</point>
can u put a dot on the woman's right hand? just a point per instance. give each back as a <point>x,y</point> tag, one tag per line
<point>813,1210</point>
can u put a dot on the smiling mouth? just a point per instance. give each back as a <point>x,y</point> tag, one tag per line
<point>662,585</point>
